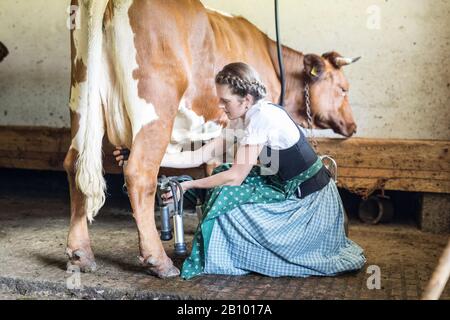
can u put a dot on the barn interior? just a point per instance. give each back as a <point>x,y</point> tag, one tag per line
<point>393,174</point>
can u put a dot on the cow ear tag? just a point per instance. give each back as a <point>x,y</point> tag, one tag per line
<point>314,72</point>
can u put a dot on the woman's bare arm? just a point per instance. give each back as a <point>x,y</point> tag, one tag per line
<point>184,160</point>
<point>194,159</point>
<point>246,158</point>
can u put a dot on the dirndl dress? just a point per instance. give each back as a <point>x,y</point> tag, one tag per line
<point>263,227</point>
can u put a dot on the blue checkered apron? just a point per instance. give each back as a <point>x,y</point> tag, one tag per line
<point>273,233</point>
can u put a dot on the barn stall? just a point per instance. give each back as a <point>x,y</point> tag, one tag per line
<point>395,170</point>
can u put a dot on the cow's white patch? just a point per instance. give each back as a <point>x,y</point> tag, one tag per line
<point>118,126</point>
<point>226,14</point>
<point>78,104</point>
<point>78,140</point>
<point>78,94</point>
<point>89,176</point>
<point>80,38</point>
<point>139,111</point>
<point>190,127</point>
<point>79,91</point>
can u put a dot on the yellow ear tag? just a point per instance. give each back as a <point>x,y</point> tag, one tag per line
<point>314,72</point>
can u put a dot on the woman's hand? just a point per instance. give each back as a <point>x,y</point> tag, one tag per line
<point>168,196</point>
<point>121,155</point>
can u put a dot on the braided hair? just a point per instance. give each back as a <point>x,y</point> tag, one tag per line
<point>242,80</point>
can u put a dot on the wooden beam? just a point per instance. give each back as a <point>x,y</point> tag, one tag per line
<point>364,164</point>
<point>364,185</point>
<point>422,155</point>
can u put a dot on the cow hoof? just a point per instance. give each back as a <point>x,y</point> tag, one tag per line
<point>80,260</point>
<point>171,272</point>
<point>163,270</point>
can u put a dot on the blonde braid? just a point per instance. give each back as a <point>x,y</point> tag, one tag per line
<point>241,86</point>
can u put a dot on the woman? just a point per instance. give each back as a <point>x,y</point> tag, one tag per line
<point>282,218</point>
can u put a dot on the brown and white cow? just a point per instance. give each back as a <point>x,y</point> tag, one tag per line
<point>3,52</point>
<point>143,73</point>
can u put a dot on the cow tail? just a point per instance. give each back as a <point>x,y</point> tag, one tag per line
<point>89,178</point>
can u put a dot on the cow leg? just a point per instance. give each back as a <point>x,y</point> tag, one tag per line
<point>141,173</point>
<point>78,243</point>
<point>152,93</point>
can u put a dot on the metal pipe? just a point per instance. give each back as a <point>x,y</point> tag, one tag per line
<point>280,55</point>
<point>166,230</point>
<point>180,244</point>
<point>178,223</point>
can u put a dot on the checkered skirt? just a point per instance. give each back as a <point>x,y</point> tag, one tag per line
<point>272,232</point>
<point>296,237</point>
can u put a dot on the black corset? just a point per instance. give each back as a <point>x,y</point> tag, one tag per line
<point>293,161</point>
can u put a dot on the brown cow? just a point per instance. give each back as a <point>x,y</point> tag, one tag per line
<point>3,52</point>
<point>143,73</point>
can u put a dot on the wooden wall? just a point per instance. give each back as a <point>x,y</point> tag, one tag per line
<point>364,164</point>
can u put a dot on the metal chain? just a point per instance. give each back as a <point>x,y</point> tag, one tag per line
<point>310,117</point>
<point>328,161</point>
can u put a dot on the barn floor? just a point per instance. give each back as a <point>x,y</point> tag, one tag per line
<point>33,230</point>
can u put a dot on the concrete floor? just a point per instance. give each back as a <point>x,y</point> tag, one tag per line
<point>33,230</point>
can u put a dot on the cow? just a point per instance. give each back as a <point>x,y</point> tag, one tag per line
<point>143,75</point>
<point>3,52</point>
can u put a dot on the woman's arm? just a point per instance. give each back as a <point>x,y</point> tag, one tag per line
<point>246,158</point>
<point>183,160</point>
<point>194,159</point>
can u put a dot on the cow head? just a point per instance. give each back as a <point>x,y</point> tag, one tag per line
<point>3,52</point>
<point>329,89</point>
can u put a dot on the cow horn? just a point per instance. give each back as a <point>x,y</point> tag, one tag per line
<point>341,61</point>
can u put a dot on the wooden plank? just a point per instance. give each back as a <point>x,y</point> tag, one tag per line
<point>33,164</point>
<point>34,139</point>
<point>393,174</point>
<point>407,165</point>
<point>366,185</point>
<point>389,154</point>
<point>54,162</point>
<point>353,153</point>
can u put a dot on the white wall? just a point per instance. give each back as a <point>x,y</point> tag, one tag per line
<point>35,77</point>
<point>401,89</point>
